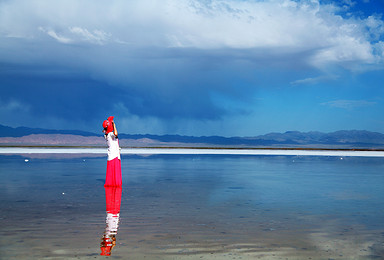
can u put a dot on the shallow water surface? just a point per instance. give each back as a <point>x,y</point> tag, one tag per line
<point>192,207</point>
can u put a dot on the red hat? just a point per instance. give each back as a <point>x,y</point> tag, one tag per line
<point>108,124</point>
<point>105,123</point>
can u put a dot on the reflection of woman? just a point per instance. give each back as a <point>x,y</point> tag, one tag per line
<point>113,202</point>
<point>113,176</point>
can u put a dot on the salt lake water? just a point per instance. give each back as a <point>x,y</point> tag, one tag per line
<point>180,206</point>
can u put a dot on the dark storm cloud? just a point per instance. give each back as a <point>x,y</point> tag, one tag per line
<point>154,91</point>
<point>62,96</point>
<point>170,60</point>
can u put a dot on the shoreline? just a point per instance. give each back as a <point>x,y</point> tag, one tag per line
<point>193,147</point>
<point>196,151</point>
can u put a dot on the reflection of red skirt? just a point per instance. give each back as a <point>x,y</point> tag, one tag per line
<point>113,199</point>
<point>113,177</point>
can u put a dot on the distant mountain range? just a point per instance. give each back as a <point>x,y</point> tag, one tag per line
<point>346,139</point>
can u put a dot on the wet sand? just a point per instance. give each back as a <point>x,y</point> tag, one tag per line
<point>185,237</point>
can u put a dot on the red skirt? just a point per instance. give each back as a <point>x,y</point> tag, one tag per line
<point>113,177</point>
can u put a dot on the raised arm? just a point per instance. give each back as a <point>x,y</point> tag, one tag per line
<point>114,128</point>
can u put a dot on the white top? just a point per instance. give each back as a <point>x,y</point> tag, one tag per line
<point>113,146</point>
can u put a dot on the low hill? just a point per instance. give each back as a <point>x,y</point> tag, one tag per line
<point>6,131</point>
<point>345,139</point>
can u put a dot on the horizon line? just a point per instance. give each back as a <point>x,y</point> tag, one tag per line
<point>197,151</point>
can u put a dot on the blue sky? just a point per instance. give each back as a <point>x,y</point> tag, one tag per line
<point>208,67</point>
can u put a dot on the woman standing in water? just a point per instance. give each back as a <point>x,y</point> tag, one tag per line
<point>113,176</point>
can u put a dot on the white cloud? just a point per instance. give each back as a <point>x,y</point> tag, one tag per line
<point>55,36</point>
<point>96,37</point>
<point>379,49</point>
<point>78,34</point>
<point>349,104</point>
<point>275,28</point>
<point>314,80</point>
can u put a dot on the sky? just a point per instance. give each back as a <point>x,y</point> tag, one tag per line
<point>193,67</point>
